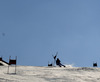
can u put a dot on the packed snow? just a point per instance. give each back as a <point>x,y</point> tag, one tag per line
<point>49,74</point>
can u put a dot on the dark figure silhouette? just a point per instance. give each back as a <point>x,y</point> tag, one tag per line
<point>55,57</point>
<point>95,64</point>
<point>58,62</point>
<point>49,64</point>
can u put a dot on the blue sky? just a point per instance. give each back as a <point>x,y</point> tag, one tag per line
<point>37,29</point>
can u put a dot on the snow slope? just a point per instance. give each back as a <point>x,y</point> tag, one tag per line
<point>49,74</point>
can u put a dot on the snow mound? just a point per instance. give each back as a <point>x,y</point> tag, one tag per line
<point>69,65</point>
<point>49,74</point>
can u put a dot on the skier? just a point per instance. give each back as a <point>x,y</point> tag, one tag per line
<point>58,62</point>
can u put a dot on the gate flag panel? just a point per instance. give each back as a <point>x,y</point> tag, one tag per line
<point>12,62</point>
